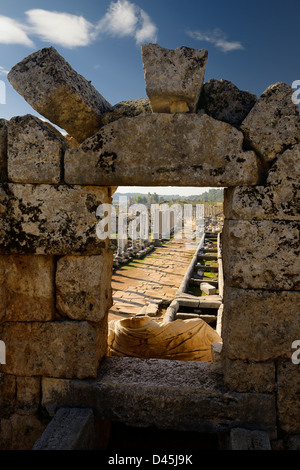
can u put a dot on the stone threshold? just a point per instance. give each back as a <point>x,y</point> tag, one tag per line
<point>175,395</point>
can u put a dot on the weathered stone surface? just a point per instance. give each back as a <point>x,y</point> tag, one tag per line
<point>70,429</point>
<point>8,393</point>
<point>83,289</point>
<point>280,202</point>
<point>174,77</point>
<point>3,149</point>
<point>261,254</point>
<point>186,396</point>
<point>28,392</point>
<point>27,288</point>
<point>273,124</point>
<point>20,431</point>
<point>223,100</point>
<point>259,325</point>
<point>68,349</point>
<point>50,219</point>
<point>286,169</point>
<point>208,288</point>
<point>163,150</point>
<point>252,377</point>
<point>129,108</point>
<point>246,439</point>
<point>35,151</point>
<point>56,91</point>
<point>288,381</point>
<point>279,199</point>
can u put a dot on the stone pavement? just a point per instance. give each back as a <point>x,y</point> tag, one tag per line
<point>152,280</point>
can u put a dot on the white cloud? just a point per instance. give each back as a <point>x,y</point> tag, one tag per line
<point>61,28</point>
<point>124,18</point>
<point>147,31</point>
<point>218,38</point>
<point>12,32</point>
<point>120,19</point>
<point>3,71</point>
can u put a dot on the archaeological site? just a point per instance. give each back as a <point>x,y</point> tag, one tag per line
<point>215,360</point>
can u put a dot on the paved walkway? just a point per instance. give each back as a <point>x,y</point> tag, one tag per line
<point>154,279</point>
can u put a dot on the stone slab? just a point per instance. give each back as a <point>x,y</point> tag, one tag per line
<point>273,123</point>
<point>185,396</point>
<point>35,151</point>
<point>163,150</point>
<point>50,219</point>
<point>261,254</point>
<point>83,286</point>
<point>27,290</point>
<point>259,325</point>
<point>57,92</point>
<point>173,77</point>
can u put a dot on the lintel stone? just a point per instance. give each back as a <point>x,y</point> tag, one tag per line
<point>163,150</point>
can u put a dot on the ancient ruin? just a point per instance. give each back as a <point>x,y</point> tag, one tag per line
<point>59,388</point>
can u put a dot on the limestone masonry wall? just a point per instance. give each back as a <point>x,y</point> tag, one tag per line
<point>55,274</point>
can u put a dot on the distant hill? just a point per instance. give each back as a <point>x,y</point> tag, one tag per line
<point>212,195</point>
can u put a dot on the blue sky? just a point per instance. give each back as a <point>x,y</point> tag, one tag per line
<point>252,44</point>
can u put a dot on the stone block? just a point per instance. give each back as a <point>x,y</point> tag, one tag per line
<point>83,286</point>
<point>50,219</point>
<point>163,150</point>
<point>273,123</point>
<point>8,389</point>
<point>279,199</point>
<point>288,381</point>
<point>223,101</point>
<point>252,377</point>
<point>28,392</point>
<point>129,108</point>
<point>57,92</point>
<point>20,431</point>
<point>280,202</point>
<point>261,254</point>
<point>70,429</point>
<point>27,288</point>
<point>174,77</point>
<point>3,150</point>
<point>259,325</point>
<point>286,168</point>
<point>246,439</point>
<point>68,349</point>
<point>35,151</point>
<point>207,288</point>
